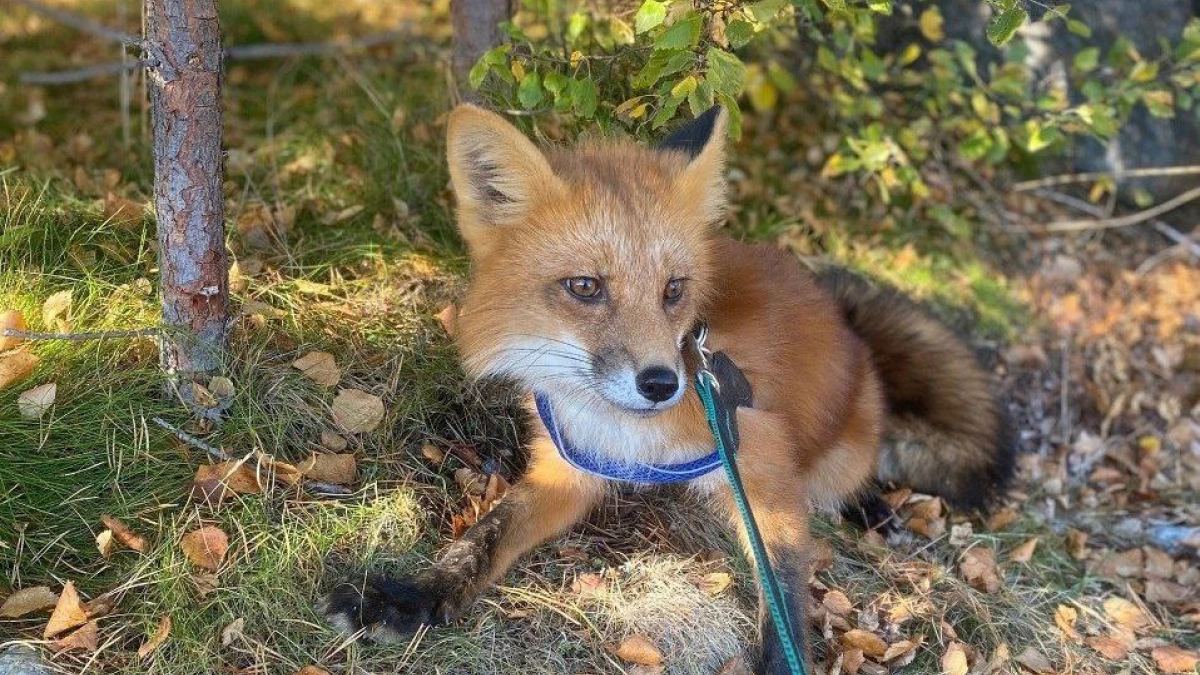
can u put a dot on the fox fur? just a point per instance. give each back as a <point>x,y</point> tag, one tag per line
<point>835,362</point>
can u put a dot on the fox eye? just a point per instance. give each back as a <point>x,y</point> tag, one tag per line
<point>584,288</point>
<point>673,290</point>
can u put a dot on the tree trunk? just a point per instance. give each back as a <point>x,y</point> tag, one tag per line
<point>476,30</point>
<point>185,111</point>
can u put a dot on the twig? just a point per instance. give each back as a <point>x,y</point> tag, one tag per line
<point>81,23</point>
<point>1164,229</point>
<point>1069,179</point>
<point>221,456</point>
<point>252,52</point>
<point>79,337</point>
<point>1124,221</point>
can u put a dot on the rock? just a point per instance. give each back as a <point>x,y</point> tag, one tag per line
<point>20,659</point>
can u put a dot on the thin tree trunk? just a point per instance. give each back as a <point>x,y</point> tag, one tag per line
<point>476,30</point>
<point>185,111</point>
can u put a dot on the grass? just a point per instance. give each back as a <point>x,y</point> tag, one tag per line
<point>350,150</point>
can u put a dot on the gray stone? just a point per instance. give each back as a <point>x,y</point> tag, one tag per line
<point>21,659</point>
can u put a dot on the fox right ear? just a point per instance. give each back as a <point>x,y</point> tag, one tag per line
<point>496,171</point>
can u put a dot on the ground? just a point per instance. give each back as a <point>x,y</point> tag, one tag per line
<point>341,225</point>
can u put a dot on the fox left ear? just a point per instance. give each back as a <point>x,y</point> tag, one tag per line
<point>702,181</point>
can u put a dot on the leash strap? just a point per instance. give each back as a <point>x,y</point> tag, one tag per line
<point>722,419</point>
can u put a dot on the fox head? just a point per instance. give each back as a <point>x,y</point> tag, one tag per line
<point>590,263</point>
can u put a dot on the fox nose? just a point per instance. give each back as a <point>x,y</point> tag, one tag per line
<point>657,383</point>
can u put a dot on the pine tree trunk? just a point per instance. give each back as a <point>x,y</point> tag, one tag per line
<point>185,111</point>
<point>476,30</point>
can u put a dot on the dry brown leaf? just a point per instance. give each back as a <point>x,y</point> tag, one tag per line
<point>448,317</point>
<point>15,320</point>
<point>320,367</point>
<point>432,454</point>
<point>735,666</point>
<point>56,312</point>
<point>36,402</point>
<point>336,469</point>
<point>332,441</point>
<point>978,567</point>
<point>123,212</point>
<point>222,387</point>
<point>125,536</point>
<point>1172,659</point>
<point>16,366</point>
<point>1159,563</point>
<point>289,474</point>
<point>1124,564</point>
<point>312,670</point>
<point>216,482</point>
<point>1076,541</point>
<point>954,660</point>
<point>27,601</point>
<point>100,605</point>
<point>930,528</point>
<point>496,487</point>
<point>1125,614</point>
<point>588,584</point>
<point>871,644</point>
<point>1109,647</point>
<point>357,411</point>
<point>1065,617</point>
<point>1024,552</point>
<point>1035,661</point>
<point>1168,592</point>
<point>901,650</point>
<point>68,612</point>
<point>205,547</point>
<point>205,583</point>
<point>928,509</point>
<point>837,603</point>
<point>233,631</point>
<point>86,639</point>
<point>852,660</point>
<point>1001,519</point>
<point>105,543</point>
<point>156,640</point>
<point>715,583</point>
<point>638,649</point>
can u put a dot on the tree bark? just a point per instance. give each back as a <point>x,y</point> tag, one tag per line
<point>185,111</point>
<point>476,26</point>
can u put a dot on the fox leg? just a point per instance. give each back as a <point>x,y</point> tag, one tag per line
<point>775,487</point>
<point>550,498</point>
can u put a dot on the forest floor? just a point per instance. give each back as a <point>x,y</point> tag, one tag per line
<point>340,221</point>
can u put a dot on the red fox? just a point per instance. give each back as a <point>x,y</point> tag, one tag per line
<point>590,266</point>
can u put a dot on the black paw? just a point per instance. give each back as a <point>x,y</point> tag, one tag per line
<point>382,609</point>
<point>871,512</point>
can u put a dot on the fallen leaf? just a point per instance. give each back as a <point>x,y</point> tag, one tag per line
<point>638,649</point>
<point>56,312</point>
<point>1159,563</point>
<point>156,640</point>
<point>332,441</point>
<point>27,601</point>
<point>312,670</point>
<point>105,542</point>
<point>123,212</point>
<point>735,666</point>
<point>1109,647</point>
<point>978,567</point>
<point>336,469</point>
<point>357,411</point>
<point>1024,552</point>
<point>1076,542</point>
<point>319,367</point>
<point>928,509</point>
<point>852,660</point>
<point>930,528</point>
<point>898,650</point>
<point>86,639</point>
<point>1035,661</point>
<point>961,534</point>
<point>16,366</point>
<point>715,583</point>
<point>1172,659</point>
<point>432,454</point>
<point>205,547</point>
<point>33,403</point>
<point>1065,617</point>
<point>837,603</point>
<point>68,612</point>
<point>448,317</point>
<point>205,583</point>
<point>283,472</point>
<point>214,483</point>
<point>233,631</point>
<point>14,320</point>
<point>1001,519</point>
<point>222,387</point>
<point>1169,592</point>
<point>1123,564</point>
<point>124,535</point>
<point>588,583</point>
<point>954,660</point>
<point>871,644</point>
<point>496,487</point>
<point>100,605</point>
<point>1125,614</point>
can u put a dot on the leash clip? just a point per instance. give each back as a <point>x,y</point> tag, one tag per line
<point>694,343</point>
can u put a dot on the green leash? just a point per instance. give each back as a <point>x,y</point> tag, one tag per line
<point>723,422</point>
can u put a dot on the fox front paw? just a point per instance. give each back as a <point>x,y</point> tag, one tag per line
<point>384,609</point>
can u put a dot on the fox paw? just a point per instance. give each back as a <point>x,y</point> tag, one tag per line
<point>383,609</point>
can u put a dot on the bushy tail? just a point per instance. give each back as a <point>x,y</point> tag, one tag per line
<point>948,433</point>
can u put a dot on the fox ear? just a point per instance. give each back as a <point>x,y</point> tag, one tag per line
<point>495,170</point>
<point>702,182</point>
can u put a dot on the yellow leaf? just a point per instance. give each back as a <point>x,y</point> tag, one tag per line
<point>931,25</point>
<point>1125,614</point>
<point>1172,659</point>
<point>954,660</point>
<point>16,366</point>
<point>871,644</point>
<point>1065,618</point>
<point>56,312</point>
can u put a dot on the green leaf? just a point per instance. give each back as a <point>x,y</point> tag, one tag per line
<point>765,10</point>
<point>478,72</point>
<point>1144,71</point>
<point>880,6</point>
<point>735,115</point>
<point>585,97</point>
<point>1086,60</point>
<point>836,5</point>
<point>665,112</point>
<point>684,87</point>
<point>622,32</point>
<point>701,99</point>
<point>650,15</point>
<point>661,64</point>
<point>726,72</point>
<point>1005,25</point>
<point>739,33</point>
<point>555,82</point>
<point>683,34</point>
<point>529,93</point>
<point>976,146</point>
<point>1160,103</point>
<point>576,25</point>
<point>1079,28</point>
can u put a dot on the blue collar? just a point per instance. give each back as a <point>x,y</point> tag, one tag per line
<point>588,462</point>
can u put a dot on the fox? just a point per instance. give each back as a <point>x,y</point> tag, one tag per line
<point>590,265</point>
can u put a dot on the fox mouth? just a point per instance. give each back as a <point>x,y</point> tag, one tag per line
<point>647,411</point>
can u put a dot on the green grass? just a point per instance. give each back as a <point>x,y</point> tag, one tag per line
<point>321,137</point>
